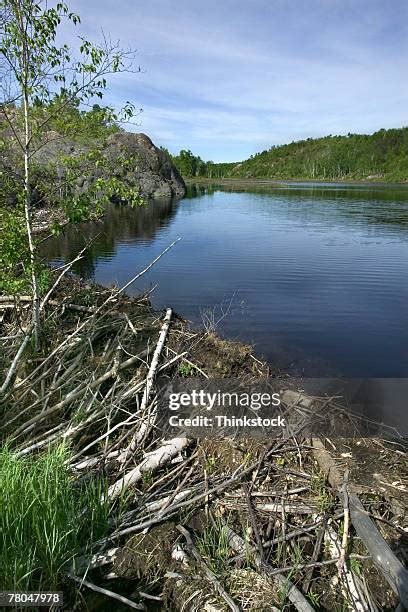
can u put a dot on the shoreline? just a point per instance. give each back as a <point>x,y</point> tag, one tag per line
<point>270,181</point>
<point>293,480</point>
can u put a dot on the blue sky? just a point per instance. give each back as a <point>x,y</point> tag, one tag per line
<point>228,78</point>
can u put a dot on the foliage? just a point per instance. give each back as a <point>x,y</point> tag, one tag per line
<point>187,369</point>
<point>87,182</point>
<point>188,164</point>
<point>380,156</point>
<point>46,519</point>
<point>46,90</point>
<point>13,248</point>
<point>81,124</point>
<point>191,166</point>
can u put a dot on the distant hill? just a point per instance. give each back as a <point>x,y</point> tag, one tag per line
<point>382,156</point>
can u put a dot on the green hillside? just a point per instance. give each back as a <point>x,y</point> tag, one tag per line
<point>382,156</point>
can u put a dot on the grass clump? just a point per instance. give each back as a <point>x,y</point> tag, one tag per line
<point>213,545</point>
<point>46,518</point>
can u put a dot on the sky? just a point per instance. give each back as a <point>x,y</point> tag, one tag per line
<point>228,78</point>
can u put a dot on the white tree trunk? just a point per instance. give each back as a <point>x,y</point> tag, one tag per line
<point>27,212</point>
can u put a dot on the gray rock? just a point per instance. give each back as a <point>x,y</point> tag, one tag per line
<point>150,169</point>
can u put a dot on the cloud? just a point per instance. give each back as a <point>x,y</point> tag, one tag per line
<point>227,79</point>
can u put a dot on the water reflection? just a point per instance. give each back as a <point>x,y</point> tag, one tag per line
<point>317,275</point>
<point>120,224</point>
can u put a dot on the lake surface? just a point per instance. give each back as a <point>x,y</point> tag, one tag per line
<point>315,276</point>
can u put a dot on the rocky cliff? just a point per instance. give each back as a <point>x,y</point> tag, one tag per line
<point>146,167</point>
<point>151,169</point>
<point>132,158</point>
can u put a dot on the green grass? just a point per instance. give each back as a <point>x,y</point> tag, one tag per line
<point>213,545</point>
<point>46,518</point>
<point>187,369</point>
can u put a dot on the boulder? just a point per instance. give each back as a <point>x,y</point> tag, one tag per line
<point>150,167</point>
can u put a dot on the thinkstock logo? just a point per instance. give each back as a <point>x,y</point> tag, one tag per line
<point>220,408</point>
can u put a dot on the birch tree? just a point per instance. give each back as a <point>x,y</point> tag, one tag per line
<point>39,80</point>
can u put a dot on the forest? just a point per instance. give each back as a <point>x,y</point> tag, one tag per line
<point>382,156</point>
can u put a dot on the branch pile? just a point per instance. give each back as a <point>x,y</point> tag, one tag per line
<point>248,524</point>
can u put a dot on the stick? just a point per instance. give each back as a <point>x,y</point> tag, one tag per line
<point>73,395</point>
<point>97,311</point>
<point>30,329</point>
<point>93,587</point>
<point>151,463</point>
<point>84,564</point>
<point>349,581</point>
<point>382,555</point>
<point>211,577</point>
<point>253,521</point>
<point>293,593</point>
<point>182,504</point>
<point>315,555</point>
<point>137,437</point>
<point>340,565</point>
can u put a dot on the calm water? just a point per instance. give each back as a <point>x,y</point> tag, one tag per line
<point>315,276</point>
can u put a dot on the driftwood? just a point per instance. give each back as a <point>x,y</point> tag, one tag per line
<point>382,555</point>
<point>29,331</point>
<point>143,429</point>
<point>75,394</point>
<point>346,509</point>
<point>86,394</point>
<point>86,323</point>
<point>152,462</point>
<point>348,580</point>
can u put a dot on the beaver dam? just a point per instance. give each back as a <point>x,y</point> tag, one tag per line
<point>97,504</point>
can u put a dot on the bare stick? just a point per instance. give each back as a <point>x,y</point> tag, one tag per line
<point>152,462</point>
<point>29,331</point>
<point>315,555</point>
<point>295,596</point>
<point>253,521</point>
<point>97,311</point>
<point>349,581</point>
<point>211,577</point>
<point>93,587</point>
<point>75,394</point>
<point>140,434</point>
<point>382,555</point>
<point>342,557</point>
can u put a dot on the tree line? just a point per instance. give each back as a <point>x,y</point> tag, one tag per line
<point>191,166</point>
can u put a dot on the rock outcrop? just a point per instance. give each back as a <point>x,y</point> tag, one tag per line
<point>146,166</point>
<point>150,167</point>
